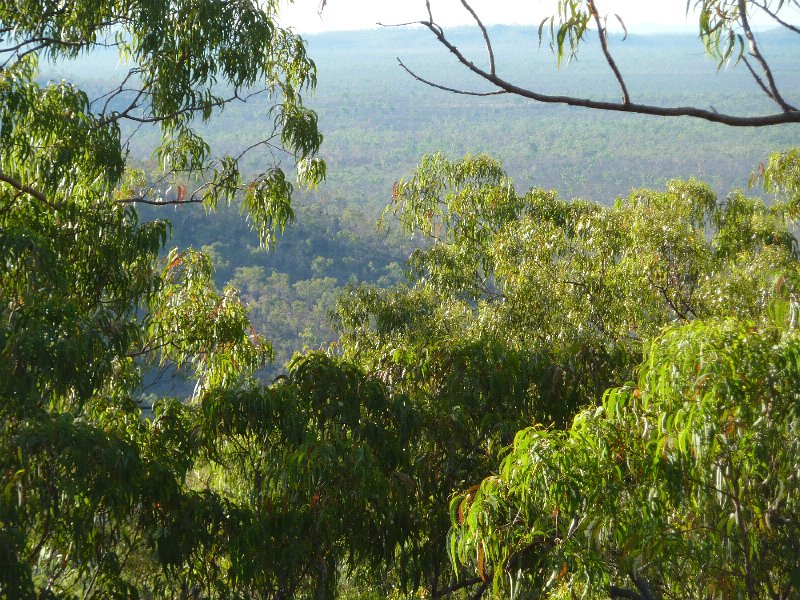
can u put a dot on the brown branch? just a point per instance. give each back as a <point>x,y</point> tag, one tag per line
<point>481,590</point>
<point>458,586</point>
<point>143,200</point>
<point>602,34</point>
<point>120,89</point>
<point>485,33</point>
<point>45,41</point>
<point>757,78</point>
<point>756,54</point>
<point>446,88</point>
<point>775,16</point>
<point>125,114</point>
<point>618,592</point>
<point>18,185</point>
<point>792,116</point>
<point>642,586</point>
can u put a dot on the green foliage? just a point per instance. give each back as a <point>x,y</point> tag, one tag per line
<point>568,27</point>
<point>581,284</point>
<point>97,501</point>
<point>522,310</point>
<point>719,23</point>
<point>312,455</point>
<point>188,322</point>
<point>189,60</point>
<point>682,484</point>
<point>519,310</point>
<point>782,176</point>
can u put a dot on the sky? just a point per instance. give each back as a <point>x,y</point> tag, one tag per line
<point>638,15</point>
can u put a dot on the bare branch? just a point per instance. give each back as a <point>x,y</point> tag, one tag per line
<point>756,54</point>
<point>775,16</point>
<point>458,586</point>
<point>20,55</point>
<point>618,592</point>
<point>757,78</point>
<point>387,25</point>
<point>125,114</point>
<point>18,185</point>
<point>790,116</point>
<point>43,41</point>
<point>143,200</point>
<point>485,33</point>
<point>120,89</point>
<point>448,89</point>
<point>603,35</point>
<point>36,43</point>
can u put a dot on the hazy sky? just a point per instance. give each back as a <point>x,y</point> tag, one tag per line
<point>361,14</point>
<point>641,15</point>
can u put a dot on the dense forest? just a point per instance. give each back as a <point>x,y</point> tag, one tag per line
<point>378,123</point>
<point>279,320</point>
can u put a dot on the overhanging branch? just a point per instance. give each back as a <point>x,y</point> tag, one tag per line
<point>788,115</point>
<point>775,17</point>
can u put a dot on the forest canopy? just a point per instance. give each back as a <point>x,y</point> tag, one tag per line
<point>559,397</point>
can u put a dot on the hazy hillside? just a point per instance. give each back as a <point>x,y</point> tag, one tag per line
<point>378,122</point>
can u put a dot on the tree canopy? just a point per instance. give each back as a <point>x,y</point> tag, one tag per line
<point>632,368</point>
<point>681,483</point>
<point>185,61</point>
<point>523,309</point>
<point>91,491</point>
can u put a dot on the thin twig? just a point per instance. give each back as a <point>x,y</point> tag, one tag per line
<point>143,200</point>
<point>775,16</point>
<point>601,33</point>
<point>446,88</point>
<point>756,53</point>
<point>486,39</point>
<point>757,78</point>
<point>390,25</point>
<point>186,110</point>
<point>46,41</point>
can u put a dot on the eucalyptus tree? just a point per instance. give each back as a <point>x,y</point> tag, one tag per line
<point>92,493</point>
<point>523,309</point>
<point>681,483</point>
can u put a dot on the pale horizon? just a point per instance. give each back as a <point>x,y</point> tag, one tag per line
<point>347,15</point>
